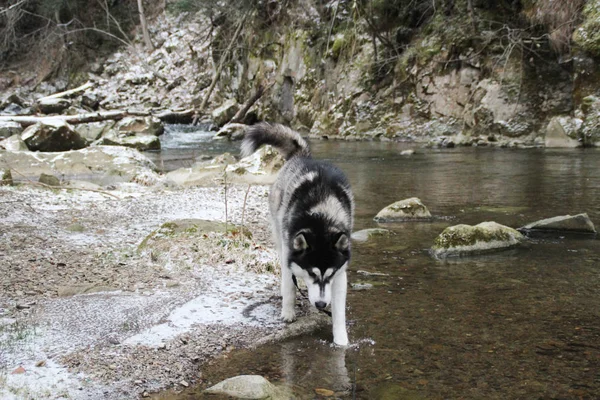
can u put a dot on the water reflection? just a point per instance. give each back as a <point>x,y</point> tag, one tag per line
<point>319,366</point>
<point>520,324</point>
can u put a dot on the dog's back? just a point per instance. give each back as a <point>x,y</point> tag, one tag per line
<point>305,187</point>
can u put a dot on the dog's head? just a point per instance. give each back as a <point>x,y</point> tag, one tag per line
<point>317,257</point>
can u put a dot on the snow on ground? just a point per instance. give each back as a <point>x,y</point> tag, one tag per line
<point>136,326</point>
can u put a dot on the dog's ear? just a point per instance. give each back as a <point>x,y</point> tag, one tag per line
<point>300,243</point>
<point>342,244</point>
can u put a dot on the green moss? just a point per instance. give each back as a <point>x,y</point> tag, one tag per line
<point>465,235</point>
<point>587,35</point>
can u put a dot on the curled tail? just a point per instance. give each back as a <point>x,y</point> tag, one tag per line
<point>287,141</point>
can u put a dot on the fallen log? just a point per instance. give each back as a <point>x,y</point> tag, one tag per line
<point>68,93</point>
<point>27,120</point>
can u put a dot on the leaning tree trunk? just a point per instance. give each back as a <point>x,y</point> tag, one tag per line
<point>147,40</point>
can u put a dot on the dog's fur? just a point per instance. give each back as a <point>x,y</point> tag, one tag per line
<point>312,211</point>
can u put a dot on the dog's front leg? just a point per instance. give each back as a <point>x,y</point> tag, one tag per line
<point>338,308</point>
<point>288,293</point>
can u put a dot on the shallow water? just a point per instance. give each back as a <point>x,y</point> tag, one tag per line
<point>520,324</point>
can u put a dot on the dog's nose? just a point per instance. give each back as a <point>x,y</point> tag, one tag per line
<point>320,305</point>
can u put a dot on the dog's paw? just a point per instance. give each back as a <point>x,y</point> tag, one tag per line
<point>288,315</point>
<point>340,338</point>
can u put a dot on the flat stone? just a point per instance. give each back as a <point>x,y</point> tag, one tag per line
<point>244,387</point>
<point>579,223</point>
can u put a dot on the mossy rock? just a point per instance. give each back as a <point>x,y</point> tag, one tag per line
<point>404,210</point>
<point>463,240</point>
<point>587,35</point>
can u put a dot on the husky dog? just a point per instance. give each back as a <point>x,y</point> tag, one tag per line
<point>312,211</point>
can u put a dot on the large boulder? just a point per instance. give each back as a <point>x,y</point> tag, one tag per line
<point>57,137</point>
<point>563,132</point>
<point>140,125</point>
<point>245,387</point>
<point>404,210</point>
<point>461,240</point>
<point>579,223</point>
<point>103,164</point>
<point>9,128</point>
<point>53,106</point>
<point>223,114</point>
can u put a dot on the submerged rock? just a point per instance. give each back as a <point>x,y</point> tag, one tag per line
<point>579,223</point>
<point>404,210</point>
<point>366,234</point>
<point>465,239</point>
<point>246,387</point>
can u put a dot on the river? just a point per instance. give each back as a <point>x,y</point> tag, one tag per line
<point>519,324</point>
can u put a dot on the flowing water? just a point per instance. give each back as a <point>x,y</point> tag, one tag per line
<point>520,324</point>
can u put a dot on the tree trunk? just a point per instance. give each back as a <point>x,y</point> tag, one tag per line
<point>168,116</point>
<point>217,75</point>
<point>471,11</point>
<point>239,116</point>
<point>147,40</point>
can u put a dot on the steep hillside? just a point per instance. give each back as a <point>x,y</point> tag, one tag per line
<point>450,72</point>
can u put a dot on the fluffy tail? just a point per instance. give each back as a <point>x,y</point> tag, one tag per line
<point>287,141</point>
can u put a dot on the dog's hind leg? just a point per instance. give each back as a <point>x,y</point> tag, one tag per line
<point>338,307</point>
<point>288,290</point>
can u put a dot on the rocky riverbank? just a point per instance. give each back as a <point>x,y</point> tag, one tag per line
<point>122,287</point>
<point>483,78</point>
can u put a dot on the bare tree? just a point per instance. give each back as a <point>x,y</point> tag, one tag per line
<point>144,25</point>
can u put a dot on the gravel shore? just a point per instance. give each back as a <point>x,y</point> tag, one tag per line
<point>97,301</point>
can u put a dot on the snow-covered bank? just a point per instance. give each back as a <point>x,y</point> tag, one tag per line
<point>111,304</point>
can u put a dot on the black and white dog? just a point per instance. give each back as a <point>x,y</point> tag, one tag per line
<point>312,211</point>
